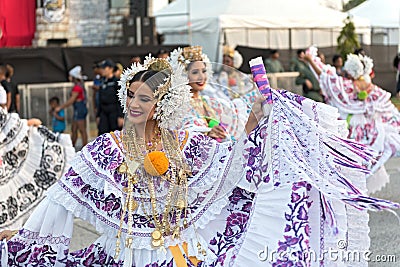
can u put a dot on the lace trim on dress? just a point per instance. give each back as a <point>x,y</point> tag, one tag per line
<point>84,194</point>
<point>42,164</point>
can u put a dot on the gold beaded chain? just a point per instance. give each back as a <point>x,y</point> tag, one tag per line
<point>118,243</point>
<point>202,107</point>
<point>174,203</point>
<point>134,153</point>
<point>129,167</point>
<point>137,149</point>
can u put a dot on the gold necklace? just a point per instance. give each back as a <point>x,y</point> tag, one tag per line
<point>202,108</point>
<point>155,140</point>
<point>177,180</point>
<point>198,106</point>
<point>129,168</point>
<point>174,206</point>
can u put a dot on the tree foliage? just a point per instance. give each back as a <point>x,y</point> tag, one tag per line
<point>347,40</point>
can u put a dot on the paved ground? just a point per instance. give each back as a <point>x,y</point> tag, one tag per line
<point>384,232</point>
<point>384,226</point>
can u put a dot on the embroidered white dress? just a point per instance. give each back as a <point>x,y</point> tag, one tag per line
<point>229,86</point>
<point>374,121</point>
<point>232,114</point>
<point>32,159</point>
<point>291,186</point>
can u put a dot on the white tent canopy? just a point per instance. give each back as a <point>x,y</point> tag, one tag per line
<point>279,24</point>
<point>385,19</point>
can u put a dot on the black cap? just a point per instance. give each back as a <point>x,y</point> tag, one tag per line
<point>107,63</point>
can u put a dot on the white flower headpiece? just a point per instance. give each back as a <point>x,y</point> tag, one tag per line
<point>234,54</point>
<point>190,54</point>
<point>354,66</point>
<point>237,59</point>
<point>368,65</point>
<point>123,83</point>
<point>173,95</point>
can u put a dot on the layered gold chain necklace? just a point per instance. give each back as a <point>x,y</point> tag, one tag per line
<point>167,222</point>
<point>202,108</point>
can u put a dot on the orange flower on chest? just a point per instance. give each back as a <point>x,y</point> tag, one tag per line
<point>156,163</point>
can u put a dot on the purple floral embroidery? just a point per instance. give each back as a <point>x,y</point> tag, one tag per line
<point>23,257</point>
<point>236,224</point>
<point>256,167</point>
<point>94,255</point>
<point>161,264</point>
<point>198,151</point>
<point>77,182</point>
<point>297,98</point>
<point>297,229</point>
<point>20,254</point>
<point>109,205</point>
<point>237,219</point>
<point>15,246</point>
<point>69,173</point>
<point>104,153</point>
<point>236,196</point>
<point>247,207</point>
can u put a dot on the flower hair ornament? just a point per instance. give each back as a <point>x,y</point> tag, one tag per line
<point>173,96</point>
<point>234,54</point>
<point>368,65</point>
<point>358,66</point>
<point>190,54</point>
<point>353,66</point>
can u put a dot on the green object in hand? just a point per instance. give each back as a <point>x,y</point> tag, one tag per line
<point>362,95</point>
<point>348,119</point>
<point>213,122</point>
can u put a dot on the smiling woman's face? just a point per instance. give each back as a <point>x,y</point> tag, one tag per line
<point>140,102</point>
<point>197,74</point>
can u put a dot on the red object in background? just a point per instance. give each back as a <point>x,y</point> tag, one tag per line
<point>3,32</point>
<point>17,22</point>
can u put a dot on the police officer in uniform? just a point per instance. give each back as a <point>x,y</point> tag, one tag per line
<point>109,113</point>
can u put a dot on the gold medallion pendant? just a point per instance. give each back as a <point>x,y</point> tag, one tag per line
<point>122,168</point>
<point>157,239</point>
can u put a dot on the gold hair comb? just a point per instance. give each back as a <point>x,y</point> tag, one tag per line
<point>193,53</point>
<point>159,64</point>
<point>228,51</point>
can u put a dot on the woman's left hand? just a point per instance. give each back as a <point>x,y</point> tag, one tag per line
<point>256,114</point>
<point>257,108</point>
<point>217,132</point>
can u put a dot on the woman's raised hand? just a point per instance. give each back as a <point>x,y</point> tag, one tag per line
<point>6,234</point>
<point>256,114</point>
<point>217,132</point>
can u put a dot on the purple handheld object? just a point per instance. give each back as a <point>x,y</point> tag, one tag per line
<point>261,79</point>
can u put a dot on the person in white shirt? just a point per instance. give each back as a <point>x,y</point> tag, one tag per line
<point>3,97</point>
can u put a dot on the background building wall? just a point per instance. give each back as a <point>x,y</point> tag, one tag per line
<point>89,18</point>
<point>83,23</point>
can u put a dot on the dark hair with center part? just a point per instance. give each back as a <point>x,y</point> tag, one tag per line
<point>151,77</point>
